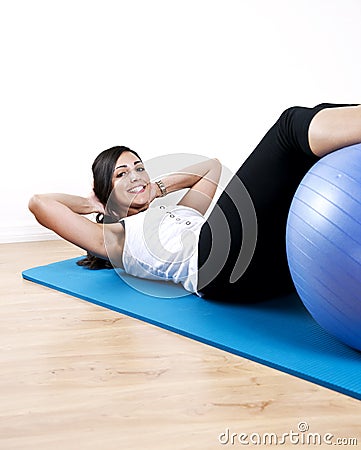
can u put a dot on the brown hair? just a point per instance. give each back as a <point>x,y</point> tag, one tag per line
<point>103,168</point>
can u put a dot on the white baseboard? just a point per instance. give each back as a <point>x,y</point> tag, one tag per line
<point>25,233</point>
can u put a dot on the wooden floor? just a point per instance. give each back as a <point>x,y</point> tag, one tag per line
<point>77,376</point>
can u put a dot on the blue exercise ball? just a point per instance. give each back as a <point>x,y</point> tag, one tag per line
<point>323,241</point>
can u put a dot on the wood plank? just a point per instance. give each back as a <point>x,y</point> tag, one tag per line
<point>77,376</point>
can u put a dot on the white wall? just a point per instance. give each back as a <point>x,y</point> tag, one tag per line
<point>160,76</point>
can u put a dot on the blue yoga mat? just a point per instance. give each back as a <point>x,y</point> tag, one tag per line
<point>279,333</point>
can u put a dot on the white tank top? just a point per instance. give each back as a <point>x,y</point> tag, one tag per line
<point>162,244</point>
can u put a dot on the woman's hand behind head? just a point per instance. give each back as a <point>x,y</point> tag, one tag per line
<point>96,205</point>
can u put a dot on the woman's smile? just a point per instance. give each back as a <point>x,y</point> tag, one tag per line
<point>137,189</point>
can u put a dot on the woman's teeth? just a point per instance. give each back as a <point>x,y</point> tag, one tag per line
<point>136,190</point>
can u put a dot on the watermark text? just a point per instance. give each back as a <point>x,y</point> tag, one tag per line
<point>301,436</point>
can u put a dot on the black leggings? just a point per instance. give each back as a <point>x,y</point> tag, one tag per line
<point>271,175</point>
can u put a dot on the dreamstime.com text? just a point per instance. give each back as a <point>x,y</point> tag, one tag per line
<point>301,436</point>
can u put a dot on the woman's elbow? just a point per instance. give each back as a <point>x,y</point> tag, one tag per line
<point>217,162</point>
<point>34,204</point>
<point>216,165</point>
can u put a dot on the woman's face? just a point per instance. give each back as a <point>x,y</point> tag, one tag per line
<point>131,182</point>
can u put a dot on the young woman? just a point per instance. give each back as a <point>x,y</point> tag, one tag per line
<point>238,253</point>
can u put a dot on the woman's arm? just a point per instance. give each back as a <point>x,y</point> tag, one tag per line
<point>77,204</point>
<point>61,213</point>
<point>201,179</point>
